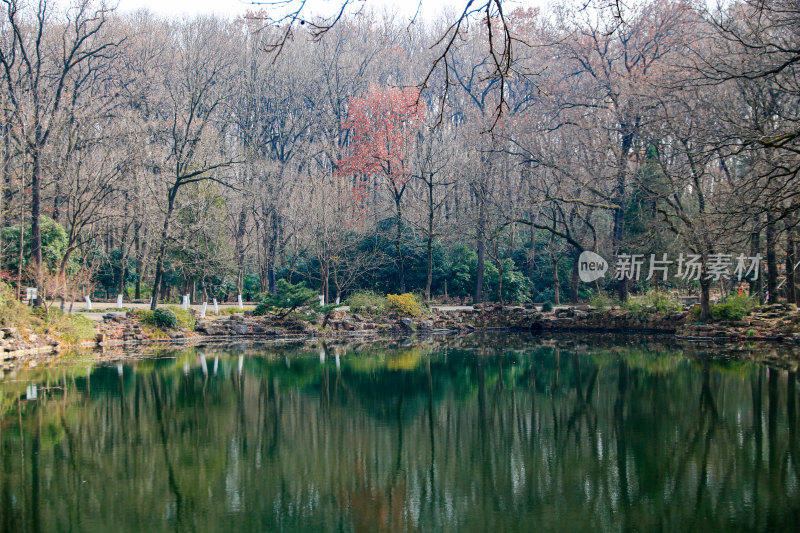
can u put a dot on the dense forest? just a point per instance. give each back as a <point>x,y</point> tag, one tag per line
<point>476,161</point>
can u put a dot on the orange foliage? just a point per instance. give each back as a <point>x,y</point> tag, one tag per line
<point>382,124</point>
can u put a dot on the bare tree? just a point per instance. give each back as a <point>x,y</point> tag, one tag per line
<point>193,94</point>
<point>38,56</point>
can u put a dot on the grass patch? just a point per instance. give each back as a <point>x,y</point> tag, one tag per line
<point>231,310</point>
<point>185,319</point>
<point>78,329</point>
<point>105,310</point>
<point>13,313</point>
<point>70,329</point>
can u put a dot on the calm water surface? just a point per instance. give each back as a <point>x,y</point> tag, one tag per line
<point>471,434</point>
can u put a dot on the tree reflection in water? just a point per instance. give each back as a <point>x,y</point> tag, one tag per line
<point>469,434</point>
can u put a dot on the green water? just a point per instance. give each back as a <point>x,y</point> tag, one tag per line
<point>490,433</point>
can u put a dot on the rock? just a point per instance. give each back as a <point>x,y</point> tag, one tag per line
<point>208,328</point>
<point>426,324</point>
<point>407,324</point>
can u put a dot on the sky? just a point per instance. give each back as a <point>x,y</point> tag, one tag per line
<point>233,8</point>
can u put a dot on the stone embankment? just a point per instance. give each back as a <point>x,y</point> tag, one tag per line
<point>17,343</point>
<point>775,323</point>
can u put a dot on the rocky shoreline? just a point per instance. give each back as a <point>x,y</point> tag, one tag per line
<point>772,323</point>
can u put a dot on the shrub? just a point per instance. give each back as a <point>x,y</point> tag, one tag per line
<point>288,296</point>
<point>653,301</point>
<point>327,308</point>
<point>406,304</point>
<point>547,307</point>
<point>160,318</point>
<point>367,302</point>
<point>164,318</point>
<point>602,301</point>
<point>262,309</point>
<point>734,307</point>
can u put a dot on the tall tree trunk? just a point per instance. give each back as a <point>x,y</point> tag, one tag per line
<point>273,252</point>
<point>56,214</point>
<point>532,250</point>
<point>399,244</point>
<point>264,260</point>
<point>240,230</point>
<point>619,222</point>
<point>429,279</point>
<point>619,212</point>
<point>21,249</point>
<point>5,177</point>
<point>481,245</point>
<point>326,279</point>
<point>36,231</point>
<point>791,261</point>
<point>705,297</point>
<point>137,243</point>
<point>755,249</point>
<point>556,281</point>
<point>574,279</point>
<point>124,251</point>
<point>772,261</point>
<point>500,282</point>
<point>162,249</point>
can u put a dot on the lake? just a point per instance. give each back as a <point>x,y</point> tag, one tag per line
<point>477,433</point>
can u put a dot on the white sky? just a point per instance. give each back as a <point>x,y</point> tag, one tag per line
<point>233,8</point>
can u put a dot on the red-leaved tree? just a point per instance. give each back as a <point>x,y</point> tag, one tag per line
<point>383,125</point>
